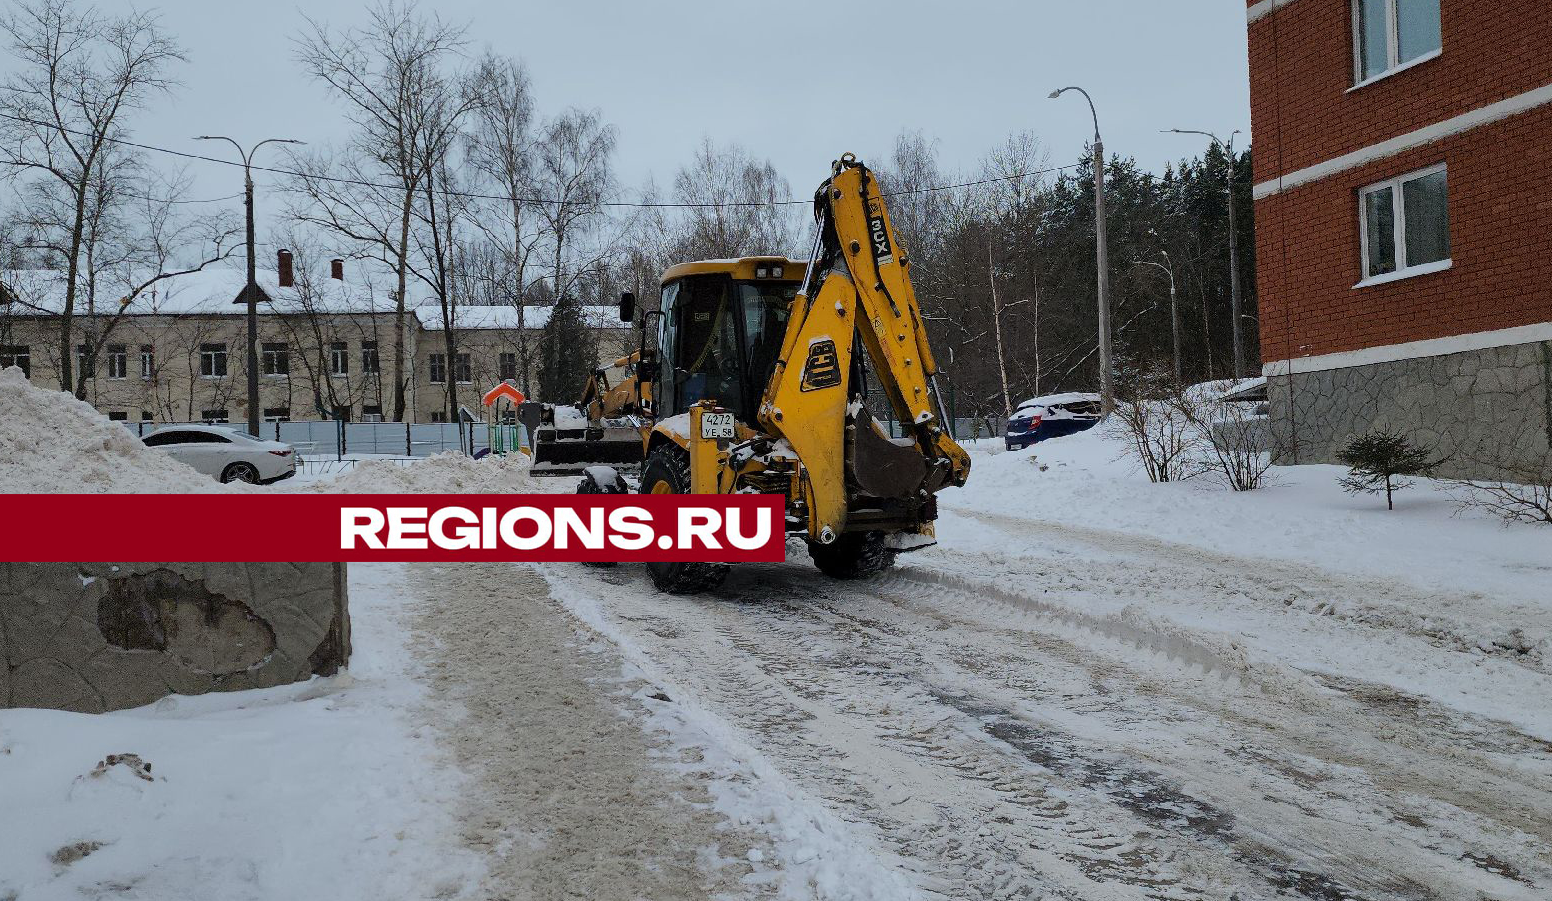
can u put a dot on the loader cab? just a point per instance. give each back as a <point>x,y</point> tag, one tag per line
<point>721,330</point>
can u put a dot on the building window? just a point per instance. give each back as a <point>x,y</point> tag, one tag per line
<point>371,413</point>
<point>1389,34</point>
<point>118,361</point>
<point>18,355</point>
<point>465,371</point>
<point>277,414</point>
<point>147,416</point>
<point>212,416</point>
<point>276,359</point>
<point>147,362</point>
<point>369,357</point>
<point>509,367</point>
<point>342,412</point>
<point>85,361</point>
<point>1405,225</point>
<point>339,358</point>
<point>438,368</point>
<point>117,416</point>
<point>439,416</point>
<point>212,361</point>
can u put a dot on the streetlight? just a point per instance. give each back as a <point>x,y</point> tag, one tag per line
<point>250,294</point>
<point>1174,309</point>
<point>1234,296</point>
<point>1106,373</point>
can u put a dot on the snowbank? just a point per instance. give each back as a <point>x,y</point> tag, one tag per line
<point>1302,515</point>
<point>446,473</point>
<point>1429,600</point>
<point>51,443</point>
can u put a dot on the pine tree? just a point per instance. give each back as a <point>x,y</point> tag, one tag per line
<point>1380,460</point>
<point>567,355</point>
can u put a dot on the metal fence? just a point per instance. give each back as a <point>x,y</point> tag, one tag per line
<point>329,438</point>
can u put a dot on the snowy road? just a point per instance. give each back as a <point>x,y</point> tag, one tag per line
<point>1019,723</point>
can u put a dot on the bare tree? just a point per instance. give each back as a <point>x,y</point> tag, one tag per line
<point>501,149</point>
<point>739,205</point>
<point>79,73</point>
<point>381,71</point>
<point>573,180</point>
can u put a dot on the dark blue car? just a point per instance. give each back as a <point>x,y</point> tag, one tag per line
<point>1052,416</point>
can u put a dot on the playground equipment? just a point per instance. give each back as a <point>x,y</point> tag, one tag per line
<point>503,436</point>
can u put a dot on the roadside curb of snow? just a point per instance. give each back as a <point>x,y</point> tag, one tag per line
<point>819,856</point>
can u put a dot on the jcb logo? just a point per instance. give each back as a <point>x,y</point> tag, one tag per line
<point>822,370</point>
<point>879,235</point>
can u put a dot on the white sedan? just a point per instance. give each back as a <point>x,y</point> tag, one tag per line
<point>226,453</point>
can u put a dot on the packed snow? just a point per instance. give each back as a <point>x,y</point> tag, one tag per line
<point>334,788</point>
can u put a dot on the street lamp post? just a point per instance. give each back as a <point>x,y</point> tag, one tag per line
<point>1174,308</point>
<point>1101,253</point>
<point>1234,293</point>
<point>250,293</point>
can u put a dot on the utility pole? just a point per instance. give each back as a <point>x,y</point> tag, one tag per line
<point>1102,259</point>
<point>250,292</point>
<point>1234,292</point>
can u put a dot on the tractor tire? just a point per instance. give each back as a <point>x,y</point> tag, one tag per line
<point>667,471</point>
<point>591,485</point>
<point>854,555</point>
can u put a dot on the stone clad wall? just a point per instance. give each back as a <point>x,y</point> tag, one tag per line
<point>1488,412</point>
<point>94,637</point>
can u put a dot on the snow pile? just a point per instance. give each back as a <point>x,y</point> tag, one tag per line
<point>51,443</point>
<point>446,473</point>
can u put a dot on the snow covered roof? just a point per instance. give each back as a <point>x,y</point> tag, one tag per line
<point>41,292</point>
<point>1070,397</point>
<point>504,316</point>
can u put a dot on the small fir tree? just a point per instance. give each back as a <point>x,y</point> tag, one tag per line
<point>567,356</point>
<point>1381,461</point>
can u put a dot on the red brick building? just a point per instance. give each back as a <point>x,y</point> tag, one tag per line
<point>1403,172</point>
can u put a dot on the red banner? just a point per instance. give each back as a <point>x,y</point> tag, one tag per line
<point>215,528</point>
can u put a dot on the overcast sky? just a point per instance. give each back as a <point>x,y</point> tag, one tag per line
<point>797,82</point>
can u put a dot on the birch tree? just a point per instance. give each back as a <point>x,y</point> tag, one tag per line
<point>79,74</point>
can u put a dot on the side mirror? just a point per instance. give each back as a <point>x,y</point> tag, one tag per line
<point>646,371</point>
<point>627,307</point>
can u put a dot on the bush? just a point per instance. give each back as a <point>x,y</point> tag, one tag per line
<point>1525,497</point>
<point>1151,407</point>
<point>1231,435</point>
<point>1381,461</point>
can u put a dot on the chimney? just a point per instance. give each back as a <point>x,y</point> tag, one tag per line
<point>287,279</point>
<point>337,269</point>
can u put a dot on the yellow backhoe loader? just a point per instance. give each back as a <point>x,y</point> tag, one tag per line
<point>759,371</point>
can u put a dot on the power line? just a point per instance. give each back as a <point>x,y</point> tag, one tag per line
<point>470,195</point>
<point>170,200</point>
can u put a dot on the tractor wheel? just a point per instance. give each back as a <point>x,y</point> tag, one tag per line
<point>667,471</point>
<point>591,484</point>
<point>854,555</point>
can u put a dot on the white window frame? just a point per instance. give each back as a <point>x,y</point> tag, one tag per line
<point>339,359</point>
<point>118,362</point>
<point>1398,237</point>
<point>217,353</point>
<point>1393,63</point>
<point>147,362</point>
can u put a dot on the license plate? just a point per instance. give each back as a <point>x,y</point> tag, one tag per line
<point>717,425</point>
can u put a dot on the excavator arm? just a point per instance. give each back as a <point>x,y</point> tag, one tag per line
<point>857,291</point>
